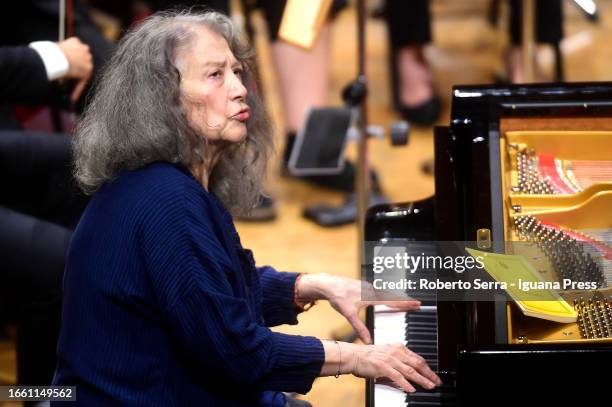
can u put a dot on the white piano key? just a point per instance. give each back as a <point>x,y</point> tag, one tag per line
<point>384,308</point>
<point>388,396</point>
<point>390,327</point>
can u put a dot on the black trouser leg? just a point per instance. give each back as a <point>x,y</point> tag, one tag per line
<point>549,21</point>
<point>31,269</point>
<point>39,206</point>
<point>409,22</point>
<point>35,177</point>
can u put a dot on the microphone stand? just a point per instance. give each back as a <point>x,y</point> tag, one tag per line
<point>355,96</point>
<point>356,92</point>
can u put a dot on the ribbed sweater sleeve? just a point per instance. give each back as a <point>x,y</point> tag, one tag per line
<point>192,276</point>
<point>278,296</point>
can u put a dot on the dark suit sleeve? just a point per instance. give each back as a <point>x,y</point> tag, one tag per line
<point>23,78</point>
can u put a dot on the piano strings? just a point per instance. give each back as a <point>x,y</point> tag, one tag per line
<point>547,175</point>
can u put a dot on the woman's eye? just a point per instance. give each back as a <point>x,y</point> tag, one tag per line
<point>239,73</point>
<point>215,74</point>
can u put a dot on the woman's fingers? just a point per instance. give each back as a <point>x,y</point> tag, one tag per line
<point>399,380</point>
<point>413,375</point>
<point>361,329</point>
<point>403,305</point>
<point>386,297</point>
<point>417,362</point>
<point>413,367</point>
<point>395,363</point>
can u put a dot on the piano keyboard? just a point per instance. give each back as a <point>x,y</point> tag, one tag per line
<point>419,331</point>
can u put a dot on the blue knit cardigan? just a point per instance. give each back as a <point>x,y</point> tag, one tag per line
<point>163,306</point>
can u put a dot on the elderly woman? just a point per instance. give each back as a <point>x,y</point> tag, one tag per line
<point>162,304</point>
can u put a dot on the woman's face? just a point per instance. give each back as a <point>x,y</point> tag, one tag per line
<point>214,95</point>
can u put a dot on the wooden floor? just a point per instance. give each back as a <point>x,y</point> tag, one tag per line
<point>465,50</point>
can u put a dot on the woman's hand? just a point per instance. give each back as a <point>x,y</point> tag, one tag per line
<point>396,363</point>
<point>387,363</point>
<point>345,296</point>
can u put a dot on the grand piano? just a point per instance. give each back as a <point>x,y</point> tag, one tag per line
<point>519,162</point>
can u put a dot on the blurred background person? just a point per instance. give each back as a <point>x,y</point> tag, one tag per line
<point>409,28</point>
<point>39,204</point>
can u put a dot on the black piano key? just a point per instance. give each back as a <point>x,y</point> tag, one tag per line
<point>421,330</point>
<point>423,347</point>
<point>421,318</point>
<point>443,395</point>
<point>422,351</point>
<point>422,324</point>
<point>424,332</point>
<point>421,335</point>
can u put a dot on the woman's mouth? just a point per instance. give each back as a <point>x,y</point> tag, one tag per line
<point>242,116</point>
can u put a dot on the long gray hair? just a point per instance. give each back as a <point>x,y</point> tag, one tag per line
<point>136,115</point>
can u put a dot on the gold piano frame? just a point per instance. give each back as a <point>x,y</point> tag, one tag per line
<point>584,138</point>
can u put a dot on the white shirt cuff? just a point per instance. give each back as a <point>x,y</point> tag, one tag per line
<point>53,58</point>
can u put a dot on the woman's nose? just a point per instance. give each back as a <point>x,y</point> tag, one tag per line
<point>238,90</point>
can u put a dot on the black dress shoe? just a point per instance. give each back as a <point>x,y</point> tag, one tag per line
<point>425,114</point>
<point>265,211</point>
<point>329,216</point>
